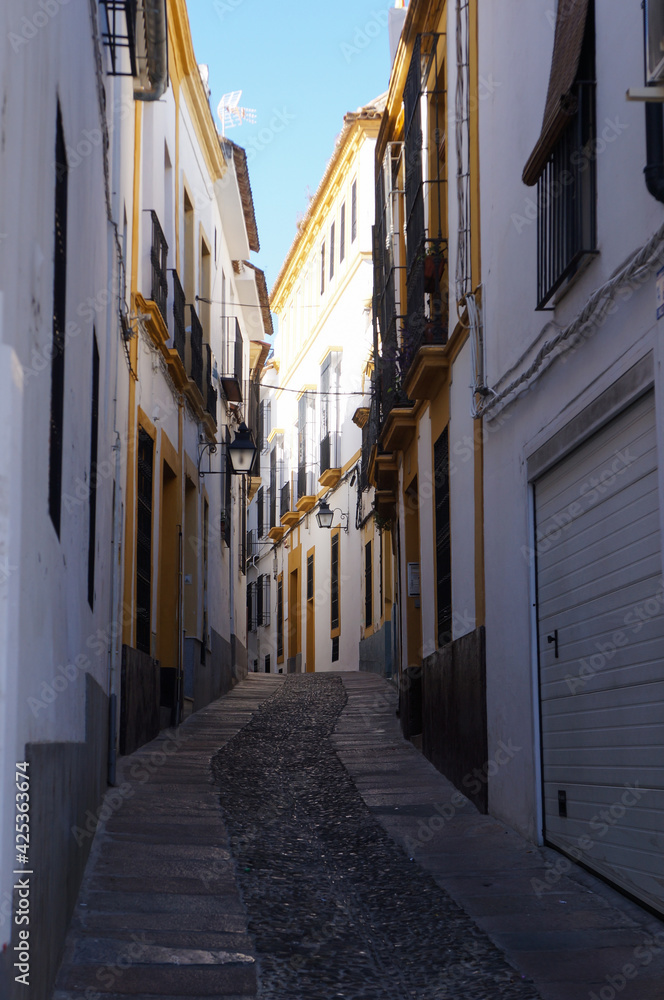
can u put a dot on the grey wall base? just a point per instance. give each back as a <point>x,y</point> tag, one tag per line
<point>376,652</point>
<point>294,664</point>
<point>454,734</point>
<point>67,781</point>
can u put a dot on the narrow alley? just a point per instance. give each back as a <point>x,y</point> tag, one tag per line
<point>287,843</point>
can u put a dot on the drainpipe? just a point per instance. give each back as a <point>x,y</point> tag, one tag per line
<point>156,37</point>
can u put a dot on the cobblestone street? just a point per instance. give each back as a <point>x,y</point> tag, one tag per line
<point>335,907</point>
<point>286,843</point>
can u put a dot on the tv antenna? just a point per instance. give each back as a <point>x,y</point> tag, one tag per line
<point>231,114</point>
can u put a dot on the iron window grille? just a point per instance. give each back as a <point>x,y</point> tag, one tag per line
<point>280,618</point>
<point>265,423</point>
<point>443,550</point>
<point>332,235</point>
<point>353,212</point>
<point>120,35</point>
<point>273,489</point>
<point>252,543</point>
<point>263,600</point>
<point>368,588</point>
<point>196,350</point>
<point>144,540</point>
<point>158,262</point>
<point>342,233</point>
<point>226,488</point>
<point>179,330</point>
<point>566,200</point>
<point>252,607</point>
<point>310,577</point>
<point>260,511</point>
<point>56,425</point>
<point>335,649</point>
<point>334,582</point>
<point>322,268</point>
<point>425,195</point>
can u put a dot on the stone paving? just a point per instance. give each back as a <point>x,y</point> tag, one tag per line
<point>336,909</point>
<point>287,843</point>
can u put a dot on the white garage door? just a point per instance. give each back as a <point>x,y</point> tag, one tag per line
<point>601,653</point>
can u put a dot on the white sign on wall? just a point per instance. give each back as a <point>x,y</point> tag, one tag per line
<point>413,579</point>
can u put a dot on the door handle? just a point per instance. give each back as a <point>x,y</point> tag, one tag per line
<point>554,639</point>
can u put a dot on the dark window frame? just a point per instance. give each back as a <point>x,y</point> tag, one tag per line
<point>94,448</point>
<point>59,321</point>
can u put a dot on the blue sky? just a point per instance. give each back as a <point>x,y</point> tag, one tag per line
<point>301,65</point>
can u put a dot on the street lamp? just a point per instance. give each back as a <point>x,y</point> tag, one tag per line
<point>325,516</point>
<point>242,450</point>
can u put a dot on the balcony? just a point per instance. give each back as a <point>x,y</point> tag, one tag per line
<point>210,391</point>
<point>231,359</point>
<point>158,263</point>
<point>195,353</point>
<point>306,489</point>
<point>179,332</point>
<point>289,517</point>
<point>330,459</point>
<point>396,407</point>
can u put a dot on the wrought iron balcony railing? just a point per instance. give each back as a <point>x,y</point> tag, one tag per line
<point>179,330</point>
<point>285,499</point>
<point>195,371</point>
<point>158,261</point>
<point>231,359</point>
<point>330,451</point>
<point>306,483</point>
<point>211,392</point>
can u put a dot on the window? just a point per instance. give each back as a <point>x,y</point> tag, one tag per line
<point>563,162</point>
<point>368,581</point>
<point>322,268</point>
<point>226,489</point>
<point>144,540</point>
<point>59,317</point>
<point>334,583</point>
<point>332,234</point>
<point>310,577</point>
<point>243,524</point>
<point>306,458</point>
<point>263,600</point>
<point>273,488</point>
<point>265,422</point>
<point>353,212</point>
<point>342,233</point>
<point>260,497</point>
<point>92,498</point>
<point>335,649</point>
<point>330,412</point>
<point>267,663</point>
<point>252,607</point>
<point>280,619</point>
<point>443,555</point>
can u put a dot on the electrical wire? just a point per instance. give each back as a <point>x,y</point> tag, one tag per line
<point>314,392</point>
<point>585,324</point>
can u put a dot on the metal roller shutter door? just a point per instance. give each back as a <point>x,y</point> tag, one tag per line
<point>601,607</point>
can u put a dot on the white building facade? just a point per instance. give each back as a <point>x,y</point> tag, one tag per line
<point>573,434</point>
<point>317,596</point>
